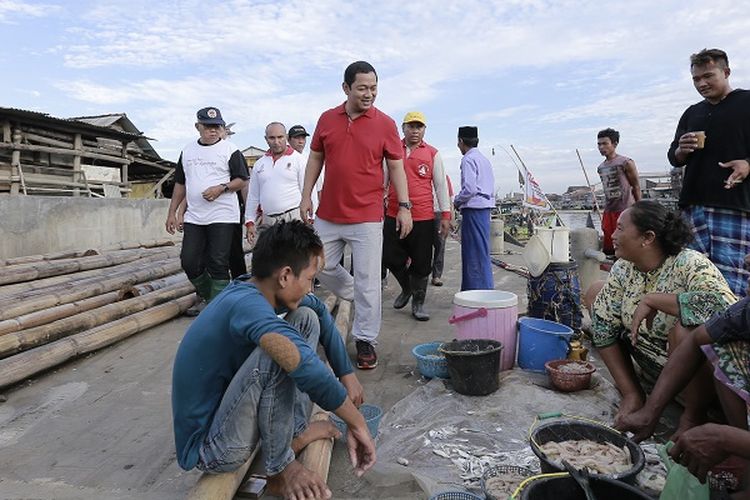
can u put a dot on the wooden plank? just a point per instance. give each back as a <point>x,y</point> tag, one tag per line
<point>48,149</point>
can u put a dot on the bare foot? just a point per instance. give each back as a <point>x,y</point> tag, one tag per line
<point>296,482</point>
<point>321,429</point>
<point>629,404</point>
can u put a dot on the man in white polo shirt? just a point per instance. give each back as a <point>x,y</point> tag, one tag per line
<point>275,184</point>
<point>209,173</point>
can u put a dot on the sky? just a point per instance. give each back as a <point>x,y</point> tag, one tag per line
<point>544,76</point>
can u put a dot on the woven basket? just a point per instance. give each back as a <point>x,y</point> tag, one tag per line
<point>566,381</point>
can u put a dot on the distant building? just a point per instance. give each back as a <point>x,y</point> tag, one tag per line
<point>252,154</point>
<point>97,156</point>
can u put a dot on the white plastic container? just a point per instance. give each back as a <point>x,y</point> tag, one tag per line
<point>497,236</point>
<point>488,314</point>
<point>557,242</point>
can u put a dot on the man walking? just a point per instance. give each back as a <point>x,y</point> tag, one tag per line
<point>298,139</point>
<point>353,140</point>
<point>712,141</point>
<point>276,183</point>
<point>209,172</point>
<point>475,201</point>
<point>424,173</point>
<point>619,182</point>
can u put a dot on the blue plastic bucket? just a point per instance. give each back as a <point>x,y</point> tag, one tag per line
<point>541,340</point>
<point>556,295</point>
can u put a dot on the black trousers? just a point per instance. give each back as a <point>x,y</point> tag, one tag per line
<point>438,242</point>
<point>206,249</point>
<point>417,246</point>
<point>237,266</point>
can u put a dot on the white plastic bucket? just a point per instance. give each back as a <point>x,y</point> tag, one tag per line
<point>497,236</point>
<point>557,242</point>
<point>488,314</point>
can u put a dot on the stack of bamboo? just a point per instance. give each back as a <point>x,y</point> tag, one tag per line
<point>55,307</point>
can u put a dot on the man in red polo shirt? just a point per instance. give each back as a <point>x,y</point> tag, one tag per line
<point>425,173</point>
<point>353,139</point>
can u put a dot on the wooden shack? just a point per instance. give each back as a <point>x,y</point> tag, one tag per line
<point>95,156</point>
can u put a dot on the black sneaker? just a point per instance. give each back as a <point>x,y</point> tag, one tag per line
<point>366,357</point>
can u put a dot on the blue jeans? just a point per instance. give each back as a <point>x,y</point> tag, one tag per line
<point>261,403</point>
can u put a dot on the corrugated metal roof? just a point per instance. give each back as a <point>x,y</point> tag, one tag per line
<point>65,124</point>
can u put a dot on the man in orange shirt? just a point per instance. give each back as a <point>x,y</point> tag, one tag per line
<point>424,173</point>
<point>353,139</point>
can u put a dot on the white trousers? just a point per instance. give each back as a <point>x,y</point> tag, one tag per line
<point>366,241</point>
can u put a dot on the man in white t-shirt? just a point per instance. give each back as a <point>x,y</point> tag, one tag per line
<point>209,173</point>
<point>275,184</point>
<point>298,140</point>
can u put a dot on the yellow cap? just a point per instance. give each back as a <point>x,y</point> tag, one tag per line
<point>415,116</point>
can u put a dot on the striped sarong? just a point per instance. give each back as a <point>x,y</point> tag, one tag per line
<point>723,235</point>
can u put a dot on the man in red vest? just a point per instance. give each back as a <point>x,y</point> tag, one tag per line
<point>424,172</point>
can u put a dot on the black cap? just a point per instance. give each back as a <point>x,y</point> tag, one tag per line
<point>297,130</point>
<point>210,116</point>
<point>468,132</point>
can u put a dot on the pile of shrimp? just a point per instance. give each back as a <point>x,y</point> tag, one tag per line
<point>599,458</point>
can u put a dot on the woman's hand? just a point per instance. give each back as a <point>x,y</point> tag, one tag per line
<point>644,311</point>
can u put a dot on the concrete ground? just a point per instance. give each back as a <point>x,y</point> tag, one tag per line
<point>100,426</point>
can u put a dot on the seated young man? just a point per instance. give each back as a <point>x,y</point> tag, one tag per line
<point>240,371</point>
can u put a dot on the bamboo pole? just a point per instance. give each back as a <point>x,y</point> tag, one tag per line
<point>26,259</point>
<point>153,243</point>
<point>10,309</point>
<point>593,194</point>
<point>223,486</point>
<point>54,313</point>
<point>19,291</point>
<point>21,366</point>
<point>23,340</point>
<point>43,269</point>
<point>137,290</point>
<point>317,455</point>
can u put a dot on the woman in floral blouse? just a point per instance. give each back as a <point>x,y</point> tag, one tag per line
<point>655,292</point>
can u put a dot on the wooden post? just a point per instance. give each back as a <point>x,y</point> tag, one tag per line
<point>7,137</point>
<point>77,146</point>
<point>124,172</point>
<point>15,163</point>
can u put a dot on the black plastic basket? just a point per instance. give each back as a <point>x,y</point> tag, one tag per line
<point>573,429</point>
<point>566,488</point>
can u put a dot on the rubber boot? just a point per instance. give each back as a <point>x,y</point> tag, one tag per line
<point>403,298</point>
<point>202,286</point>
<point>216,287</point>
<point>419,290</point>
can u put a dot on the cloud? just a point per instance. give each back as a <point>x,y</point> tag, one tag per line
<point>544,75</point>
<point>11,10</point>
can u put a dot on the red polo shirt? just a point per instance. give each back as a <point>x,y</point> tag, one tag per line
<point>354,151</point>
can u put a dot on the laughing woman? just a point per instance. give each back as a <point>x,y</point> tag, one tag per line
<point>656,291</point>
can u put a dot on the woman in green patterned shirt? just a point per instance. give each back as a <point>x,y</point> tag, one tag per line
<point>655,292</point>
